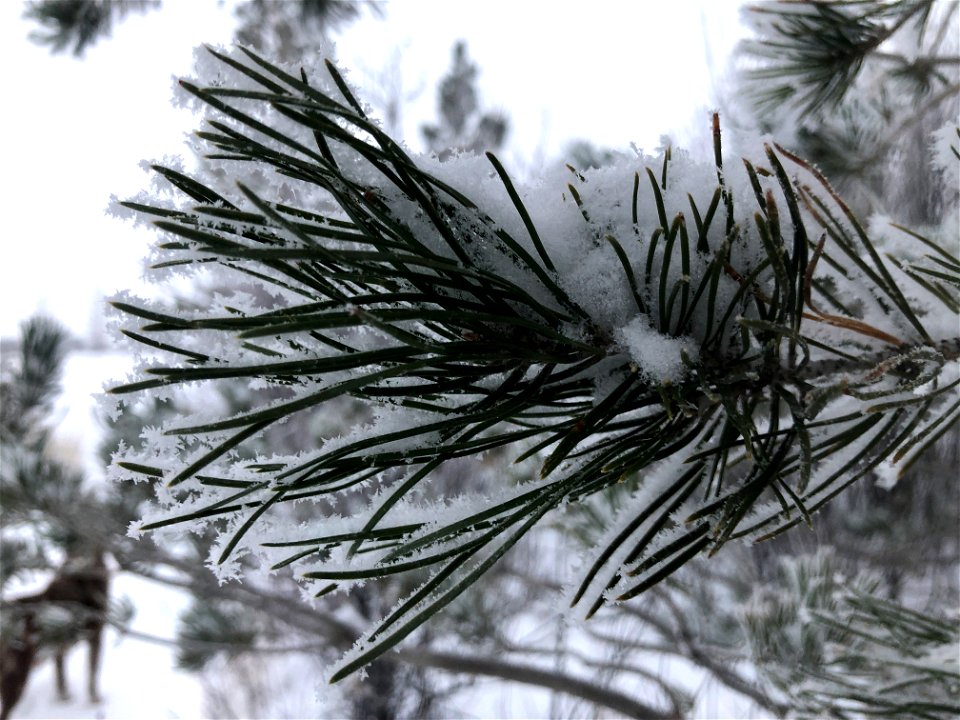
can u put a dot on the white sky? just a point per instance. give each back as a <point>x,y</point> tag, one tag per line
<point>75,131</point>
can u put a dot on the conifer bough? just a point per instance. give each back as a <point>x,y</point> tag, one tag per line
<point>731,341</point>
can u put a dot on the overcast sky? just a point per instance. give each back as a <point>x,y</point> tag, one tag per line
<point>75,131</point>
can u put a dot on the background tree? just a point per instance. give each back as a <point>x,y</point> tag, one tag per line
<point>289,31</point>
<point>285,30</point>
<point>857,88</point>
<point>79,23</point>
<point>32,482</point>
<point>463,126</point>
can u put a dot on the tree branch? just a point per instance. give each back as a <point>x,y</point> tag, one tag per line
<point>550,679</point>
<point>721,671</point>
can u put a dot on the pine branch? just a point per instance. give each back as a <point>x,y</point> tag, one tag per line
<point>832,644</point>
<point>810,53</point>
<point>457,323</point>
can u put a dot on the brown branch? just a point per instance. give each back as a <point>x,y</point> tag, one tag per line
<point>674,693</point>
<point>680,643</point>
<point>549,679</point>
